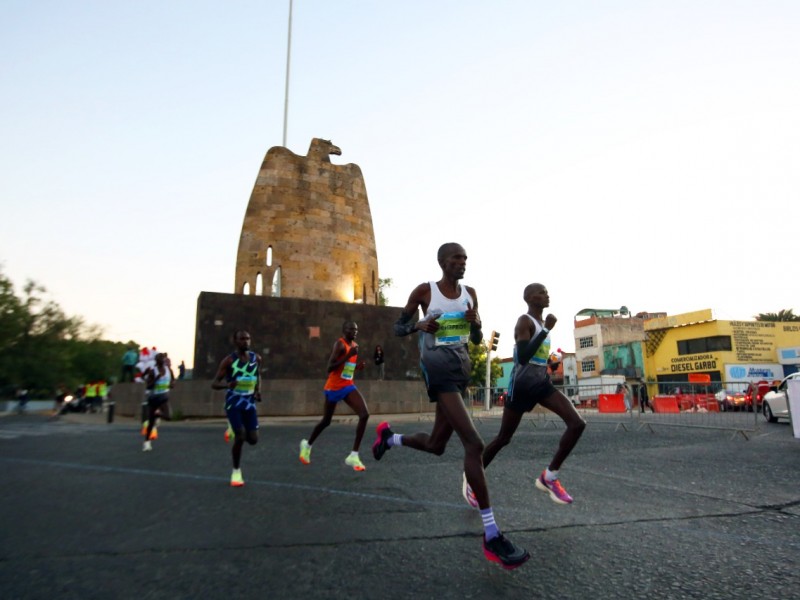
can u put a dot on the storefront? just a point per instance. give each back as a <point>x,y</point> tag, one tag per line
<point>730,353</point>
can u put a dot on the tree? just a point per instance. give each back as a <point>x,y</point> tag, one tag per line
<point>477,355</point>
<point>784,315</point>
<point>383,284</point>
<point>41,347</point>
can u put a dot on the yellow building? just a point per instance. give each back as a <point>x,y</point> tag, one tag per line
<point>733,352</point>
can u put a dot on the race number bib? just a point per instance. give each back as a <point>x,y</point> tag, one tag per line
<point>453,329</point>
<point>349,370</point>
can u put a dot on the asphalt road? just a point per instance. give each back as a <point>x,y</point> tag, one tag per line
<point>673,513</point>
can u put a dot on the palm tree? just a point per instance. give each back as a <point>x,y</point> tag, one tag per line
<point>781,316</point>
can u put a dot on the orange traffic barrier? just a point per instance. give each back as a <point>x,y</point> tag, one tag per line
<point>611,403</point>
<point>665,404</point>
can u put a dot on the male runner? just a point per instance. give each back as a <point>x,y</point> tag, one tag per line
<point>450,320</point>
<point>342,365</point>
<point>240,374</point>
<point>159,381</point>
<point>530,385</point>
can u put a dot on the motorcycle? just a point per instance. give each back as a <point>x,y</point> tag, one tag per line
<point>75,404</point>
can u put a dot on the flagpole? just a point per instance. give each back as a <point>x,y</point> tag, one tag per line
<point>288,60</point>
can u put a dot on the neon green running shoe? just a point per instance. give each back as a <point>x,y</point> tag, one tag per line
<point>354,461</point>
<point>305,452</point>
<point>236,478</point>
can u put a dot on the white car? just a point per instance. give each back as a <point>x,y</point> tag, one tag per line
<point>775,405</point>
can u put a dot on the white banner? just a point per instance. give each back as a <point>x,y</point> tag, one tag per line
<point>754,372</point>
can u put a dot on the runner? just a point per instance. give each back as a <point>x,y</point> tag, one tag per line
<point>160,381</point>
<point>342,365</point>
<point>450,320</point>
<point>530,385</point>
<point>240,374</point>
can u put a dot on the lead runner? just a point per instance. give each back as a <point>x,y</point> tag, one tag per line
<point>450,321</point>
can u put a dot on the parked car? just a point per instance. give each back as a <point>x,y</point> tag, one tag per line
<point>775,405</point>
<point>730,400</point>
<point>757,389</point>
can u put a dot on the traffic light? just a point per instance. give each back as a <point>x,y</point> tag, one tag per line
<point>493,341</point>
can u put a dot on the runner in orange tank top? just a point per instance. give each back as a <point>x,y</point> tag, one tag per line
<point>342,365</point>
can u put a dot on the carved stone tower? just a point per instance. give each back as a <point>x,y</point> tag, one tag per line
<point>307,232</point>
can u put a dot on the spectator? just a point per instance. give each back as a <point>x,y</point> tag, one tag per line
<point>623,389</point>
<point>181,370</point>
<point>379,361</point>
<point>129,360</point>
<point>644,399</point>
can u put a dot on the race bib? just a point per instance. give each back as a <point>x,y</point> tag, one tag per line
<point>453,329</point>
<point>245,385</point>
<point>349,370</point>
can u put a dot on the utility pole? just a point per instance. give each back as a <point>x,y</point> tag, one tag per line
<point>491,345</point>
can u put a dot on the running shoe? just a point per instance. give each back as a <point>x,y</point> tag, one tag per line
<point>501,550</point>
<point>305,452</point>
<point>354,461</point>
<point>229,434</point>
<point>557,492</point>
<point>380,446</point>
<point>144,427</point>
<point>147,447</point>
<point>468,494</point>
<point>154,433</point>
<point>236,478</point>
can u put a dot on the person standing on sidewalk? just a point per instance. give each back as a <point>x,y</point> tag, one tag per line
<point>342,365</point>
<point>159,380</point>
<point>530,385</point>
<point>450,321</point>
<point>239,374</point>
<point>644,398</point>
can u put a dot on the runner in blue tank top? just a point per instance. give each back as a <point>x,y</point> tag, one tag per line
<point>450,321</point>
<point>240,374</point>
<point>530,385</point>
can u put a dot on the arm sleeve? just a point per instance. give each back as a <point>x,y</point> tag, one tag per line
<point>526,349</point>
<point>403,326</point>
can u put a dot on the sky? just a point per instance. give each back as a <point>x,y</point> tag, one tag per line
<point>623,153</point>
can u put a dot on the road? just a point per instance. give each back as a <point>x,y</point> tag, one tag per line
<point>672,513</point>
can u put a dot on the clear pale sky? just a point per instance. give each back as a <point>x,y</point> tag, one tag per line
<point>629,153</point>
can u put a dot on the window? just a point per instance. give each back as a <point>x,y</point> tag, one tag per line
<point>586,342</point>
<point>707,344</point>
<point>587,366</point>
<point>259,285</point>
<point>276,283</point>
<point>269,256</point>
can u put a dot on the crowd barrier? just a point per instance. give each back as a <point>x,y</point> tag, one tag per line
<point>703,407</point>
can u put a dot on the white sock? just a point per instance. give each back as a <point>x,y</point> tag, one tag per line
<point>550,475</point>
<point>395,440</point>
<point>353,453</point>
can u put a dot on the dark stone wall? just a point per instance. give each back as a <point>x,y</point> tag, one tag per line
<point>295,336</point>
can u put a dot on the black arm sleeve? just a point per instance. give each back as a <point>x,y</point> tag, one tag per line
<point>526,350</point>
<point>403,326</point>
<point>475,333</point>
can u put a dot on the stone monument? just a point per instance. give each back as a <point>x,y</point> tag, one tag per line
<point>307,231</point>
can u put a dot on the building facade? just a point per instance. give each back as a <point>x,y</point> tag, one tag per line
<point>730,353</point>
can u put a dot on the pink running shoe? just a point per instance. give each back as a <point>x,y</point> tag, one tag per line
<point>557,492</point>
<point>468,494</point>
<point>379,447</point>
